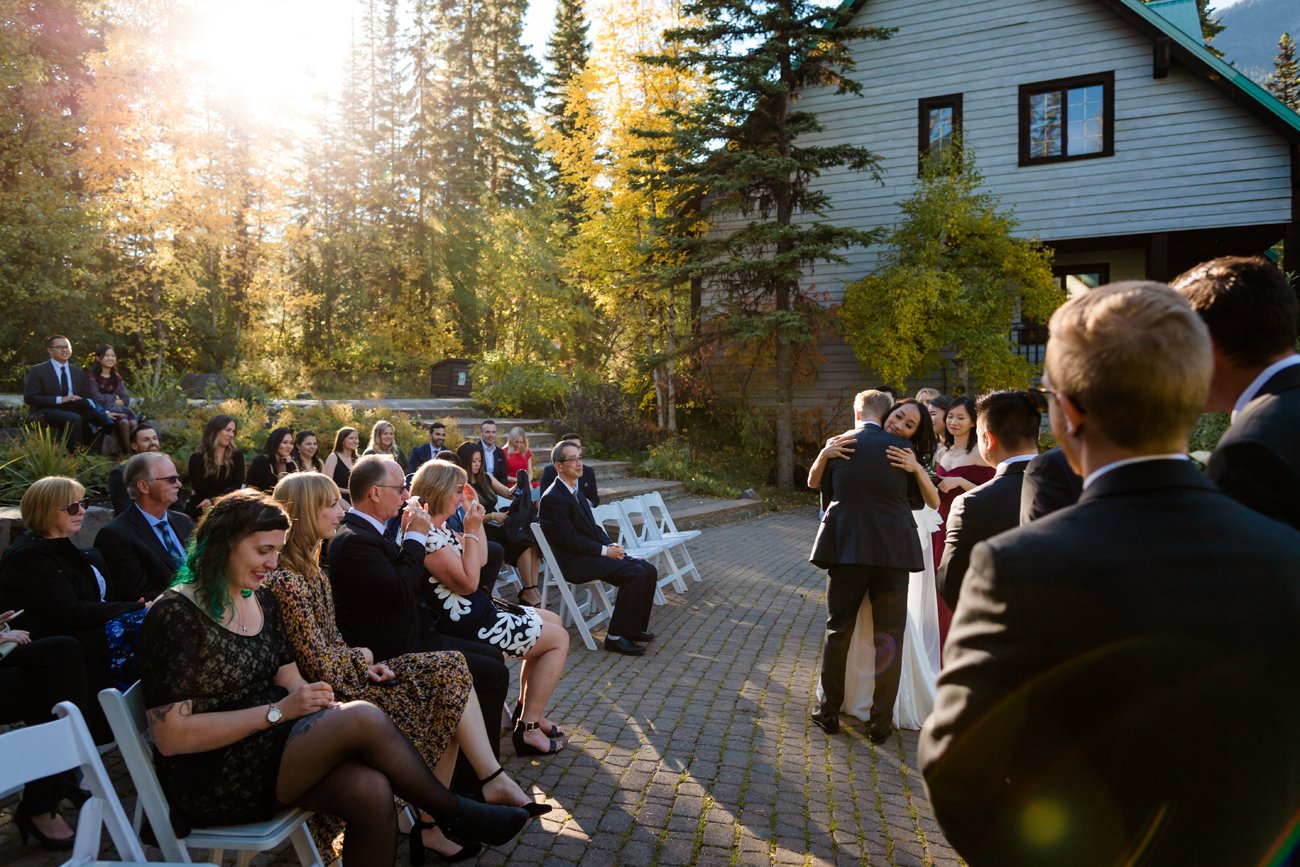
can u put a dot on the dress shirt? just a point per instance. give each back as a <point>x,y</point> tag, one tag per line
<point>1014,459</point>
<point>1140,459</point>
<point>489,457</point>
<point>62,374</point>
<point>380,526</point>
<point>1264,376</point>
<point>162,528</point>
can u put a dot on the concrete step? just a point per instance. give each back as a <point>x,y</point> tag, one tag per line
<point>692,513</point>
<point>611,470</point>
<point>618,489</point>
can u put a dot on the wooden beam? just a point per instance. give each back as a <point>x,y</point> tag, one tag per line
<point>1158,257</point>
<point>1161,56</point>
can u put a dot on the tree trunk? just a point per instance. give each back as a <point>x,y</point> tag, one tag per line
<point>784,412</point>
<point>962,372</point>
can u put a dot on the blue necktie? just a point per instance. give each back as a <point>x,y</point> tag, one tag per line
<point>66,388</point>
<point>165,532</point>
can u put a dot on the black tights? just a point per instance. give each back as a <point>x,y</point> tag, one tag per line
<point>350,761</point>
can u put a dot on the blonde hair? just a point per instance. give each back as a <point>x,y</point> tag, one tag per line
<point>1135,358</point>
<point>304,496</point>
<point>45,497</point>
<point>515,433</point>
<point>373,447</point>
<point>436,482</point>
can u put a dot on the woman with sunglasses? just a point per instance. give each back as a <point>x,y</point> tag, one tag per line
<point>60,587</point>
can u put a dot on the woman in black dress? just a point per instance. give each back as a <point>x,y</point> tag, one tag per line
<point>106,388</point>
<point>217,467</point>
<point>306,453</point>
<point>237,731</point>
<point>338,466</point>
<point>274,462</point>
<point>383,441</point>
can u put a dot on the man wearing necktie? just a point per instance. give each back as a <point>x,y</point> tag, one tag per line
<point>586,553</point>
<point>55,391</point>
<point>145,545</point>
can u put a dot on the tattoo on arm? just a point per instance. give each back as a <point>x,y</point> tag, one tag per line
<point>155,715</point>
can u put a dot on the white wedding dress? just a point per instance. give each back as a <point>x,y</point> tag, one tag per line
<point>916,687</point>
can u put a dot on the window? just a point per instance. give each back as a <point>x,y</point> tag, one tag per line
<point>939,122</point>
<point>1068,119</point>
<point>1077,279</point>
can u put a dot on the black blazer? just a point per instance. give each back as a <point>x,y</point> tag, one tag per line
<point>499,470</point>
<point>979,514</point>
<point>1257,462</point>
<point>420,455</point>
<point>586,484</point>
<point>380,589</point>
<point>117,492</point>
<point>1049,484</point>
<point>140,565</point>
<point>41,385</point>
<point>570,528</point>
<point>868,518</point>
<point>1099,662</point>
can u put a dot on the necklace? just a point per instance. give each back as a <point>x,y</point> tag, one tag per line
<point>237,617</point>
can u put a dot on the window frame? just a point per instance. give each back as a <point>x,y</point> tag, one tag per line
<point>923,108</point>
<point>1101,269</point>
<point>1062,85</point>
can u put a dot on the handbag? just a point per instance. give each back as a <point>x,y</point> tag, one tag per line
<point>521,513</point>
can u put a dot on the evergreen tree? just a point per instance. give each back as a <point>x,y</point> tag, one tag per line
<point>567,54</point>
<point>1284,81</point>
<point>741,162</point>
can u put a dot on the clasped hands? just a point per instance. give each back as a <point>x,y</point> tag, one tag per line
<point>615,551</point>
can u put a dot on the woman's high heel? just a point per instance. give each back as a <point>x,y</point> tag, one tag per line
<point>534,808</point>
<point>524,748</point>
<point>418,851</point>
<point>534,588</point>
<point>494,824</point>
<point>26,828</point>
<point>553,733</point>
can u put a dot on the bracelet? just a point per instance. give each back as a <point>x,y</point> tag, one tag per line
<point>471,536</point>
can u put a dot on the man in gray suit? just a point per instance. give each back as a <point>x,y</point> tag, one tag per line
<point>868,544</point>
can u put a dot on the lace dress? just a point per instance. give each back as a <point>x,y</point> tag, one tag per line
<point>478,617</point>
<point>184,655</point>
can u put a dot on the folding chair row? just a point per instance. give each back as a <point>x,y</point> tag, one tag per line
<point>598,608</point>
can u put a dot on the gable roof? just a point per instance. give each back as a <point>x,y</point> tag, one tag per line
<point>1191,53</point>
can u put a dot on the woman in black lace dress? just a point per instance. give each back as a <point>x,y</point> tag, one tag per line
<point>238,732</point>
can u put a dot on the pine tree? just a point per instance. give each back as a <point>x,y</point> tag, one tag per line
<point>1284,81</point>
<point>567,54</point>
<point>754,190</point>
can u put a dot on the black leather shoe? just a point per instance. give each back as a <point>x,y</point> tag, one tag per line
<point>641,636</point>
<point>624,646</point>
<point>828,724</point>
<point>878,733</point>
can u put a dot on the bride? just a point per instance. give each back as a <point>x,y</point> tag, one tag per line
<point>920,664</point>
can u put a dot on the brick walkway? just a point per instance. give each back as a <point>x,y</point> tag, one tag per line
<point>702,752</point>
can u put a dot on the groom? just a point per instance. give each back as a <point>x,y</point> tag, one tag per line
<point>868,544</point>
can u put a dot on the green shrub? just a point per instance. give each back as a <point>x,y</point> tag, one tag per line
<point>673,459</point>
<point>1209,429</point>
<point>158,396</point>
<point>508,387</point>
<point>38,453</point>
<point>607,419</point>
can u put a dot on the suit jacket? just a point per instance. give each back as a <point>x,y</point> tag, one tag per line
<point>1049,484</point>
<point>41,385</point>
<point>586,484</point>
<point>117,492</point>
<point>380,590</point>
<point>420,455</point>
<point>571,529</point>
<point>1097,667</point>
<point>499,470</point>
<point>868,503</point>
<point>140,565</point>
<point>979,514</point>
<point>1257,462</point>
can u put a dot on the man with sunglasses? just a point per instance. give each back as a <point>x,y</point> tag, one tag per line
<point>143,439</point>
<point>145,545</point>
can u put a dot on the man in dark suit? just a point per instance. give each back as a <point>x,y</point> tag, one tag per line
<point>423,453</point>
<point>382,593</point>
<point>143,439</point>
<point>586,553</point>
<point>1251,312</point>
<point>1050,484</point>
<point>145,545</point>
<point>586,484</point>
<point>867,542</point>
<point>1006,428</point>
<point>56,391</point>
<point>1102,655</point>
<point>494,457</point>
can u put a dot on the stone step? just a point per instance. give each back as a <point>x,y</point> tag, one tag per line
<point>611,470</point>
<point>692,513</point>
<point>635,487</point>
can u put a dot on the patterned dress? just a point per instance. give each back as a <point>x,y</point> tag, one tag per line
<point>478,617</point>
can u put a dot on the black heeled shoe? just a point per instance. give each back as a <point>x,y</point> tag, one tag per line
<point>494,824</point>
<point>70,790</point>
<point>534,808</point>
<point>524,748</point>
<point>26,828</point>
<point>553,733</point>
<point>418,851</point>
<point>536,589</point>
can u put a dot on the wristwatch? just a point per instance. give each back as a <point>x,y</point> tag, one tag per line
<point>273,715</point>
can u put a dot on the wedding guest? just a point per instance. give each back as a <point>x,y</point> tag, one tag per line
<point>586,484</point>
<point>217,467</point>
<point>275,461</point>
<point>338,466</point>
<point>145,545</point>
<point>106,387</point>
<point>958,467</point>
<point>56,392</point>
<point>453,561</point>
<point>62,587</point>
<point>238,732</point>
<point>1050,483</point>
<point>1251,312</point>
<point>1006,428</point>
<point>426,451</point>
<point>486,488</point>
<point>494,458</point>
<point>925,395</point>
<point>143,439</point>
<point>427,695</point>
<point>306,455</point>
<point>383,441</point>
<point>938,407</point>
<point>1072,723</point>
<point>519,457</point>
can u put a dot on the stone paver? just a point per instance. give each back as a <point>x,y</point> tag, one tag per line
<point>702,752</point>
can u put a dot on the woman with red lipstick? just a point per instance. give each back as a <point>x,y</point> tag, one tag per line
<point>238,731</point>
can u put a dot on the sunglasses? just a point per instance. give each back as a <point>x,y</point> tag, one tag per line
<point>171,480</point>
<point>75,508</point>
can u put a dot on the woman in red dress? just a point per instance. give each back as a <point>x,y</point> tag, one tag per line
<point>958,467</point>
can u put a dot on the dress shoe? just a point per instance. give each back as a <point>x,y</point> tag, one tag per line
<point>624,646</point>
<point>829,724</point>
<point>878,733</point>
<point>641,636</point>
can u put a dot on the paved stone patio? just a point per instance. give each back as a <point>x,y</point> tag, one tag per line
<point>702,752</point>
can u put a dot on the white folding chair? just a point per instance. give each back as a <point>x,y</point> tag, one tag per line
<point>126,717</point>
<point>662,527</point>
<point>43,750</point>
<point>598,608</point>
<point>636,545</point>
